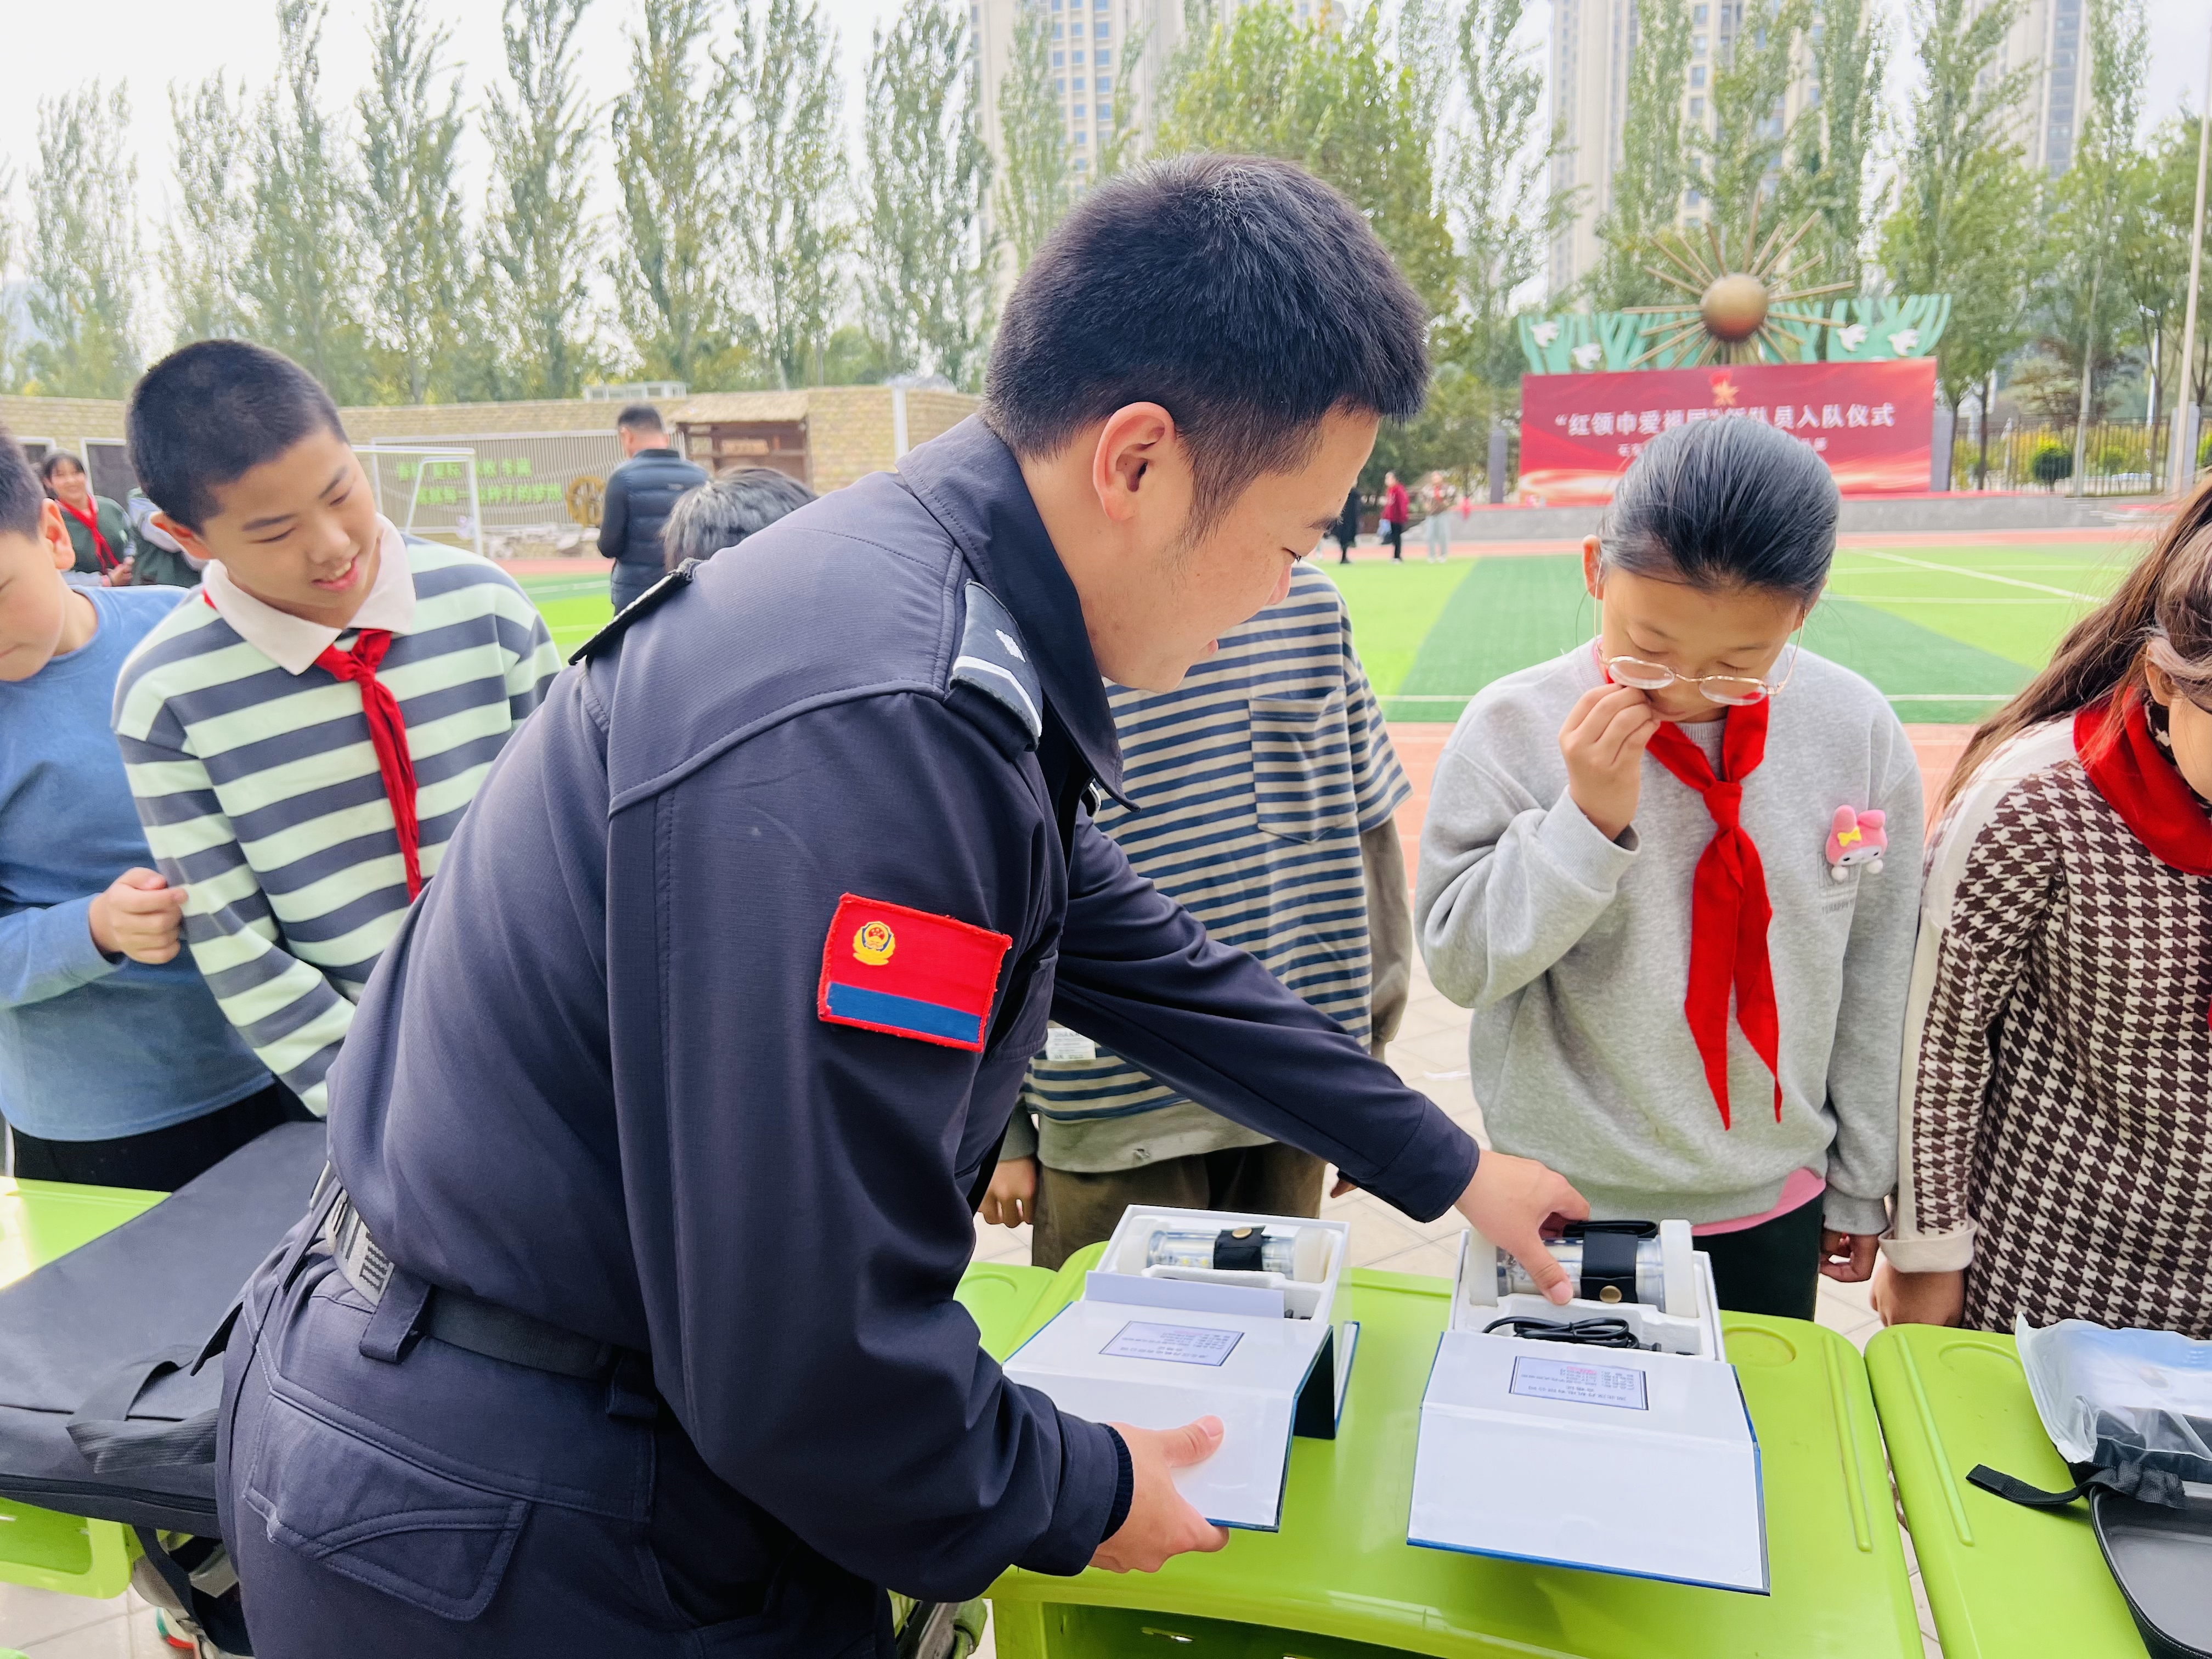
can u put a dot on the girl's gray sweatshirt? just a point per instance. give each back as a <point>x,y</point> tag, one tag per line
<point>1574,952</point>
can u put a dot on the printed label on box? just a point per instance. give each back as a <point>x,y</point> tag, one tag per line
<point>1183,1345</point>
<point>1618,1386</point>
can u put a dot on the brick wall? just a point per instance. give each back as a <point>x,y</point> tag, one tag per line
<point>848,433</point>
<point>63,421</point>
<point>930,413</point>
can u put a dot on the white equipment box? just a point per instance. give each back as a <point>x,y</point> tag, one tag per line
<point>1161,1336</point>
<point>1635,1461</point>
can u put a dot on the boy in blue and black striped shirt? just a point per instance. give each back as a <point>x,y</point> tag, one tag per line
<point>303,737</point>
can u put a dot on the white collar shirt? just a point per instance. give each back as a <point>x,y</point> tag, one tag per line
<point>292,642</point>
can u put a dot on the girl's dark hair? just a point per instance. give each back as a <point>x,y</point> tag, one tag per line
<point>1725,503</point>
<point>53,462</point>
<point>2167,598</point>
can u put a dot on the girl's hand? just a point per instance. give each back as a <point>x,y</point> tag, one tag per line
<point>1511,1201</point>
<point>1603,743</point>
<point>1848,1256</point>
<point>1919,1298</point>
<point>1011,1199</point>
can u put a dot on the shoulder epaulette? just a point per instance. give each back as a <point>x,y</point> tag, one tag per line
<point>646,603</point>
<point>995,660</point>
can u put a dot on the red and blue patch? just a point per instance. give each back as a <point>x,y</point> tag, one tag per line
<point>886,968</point>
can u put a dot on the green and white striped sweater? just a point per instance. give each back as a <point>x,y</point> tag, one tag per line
<point>260,791</point>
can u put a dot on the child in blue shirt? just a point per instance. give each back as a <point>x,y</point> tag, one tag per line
<point>116,1066</point>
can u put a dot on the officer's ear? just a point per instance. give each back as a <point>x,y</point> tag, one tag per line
<point>1138,464</point>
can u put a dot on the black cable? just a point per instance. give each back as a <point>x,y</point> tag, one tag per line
<point>1604,1332</point>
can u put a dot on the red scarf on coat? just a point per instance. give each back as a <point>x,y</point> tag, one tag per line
<point>91,522</point>
<point>2138,779</point>
<point>1729,907</point>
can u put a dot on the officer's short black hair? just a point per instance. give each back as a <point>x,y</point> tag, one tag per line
<point>207,414</point>
<point>723,513</point>
<point>1242,294</point>
<point>21,501</point>
<point>640,417</point>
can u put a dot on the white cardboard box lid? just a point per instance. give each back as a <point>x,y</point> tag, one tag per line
<point>1543,1464</point>
<point>1254,1390</point>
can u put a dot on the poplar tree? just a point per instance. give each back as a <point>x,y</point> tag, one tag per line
<point>671,130</point>
<point>1834,141</point>
<point>1740,157</point>
<point>302,278</point>
<point>788,177</point>
<point>209,235</point>
<point>927,252</point>
<point>1655,164</point>
<point>1333,101</point>
<point>83,257</point>
<point>410,118</point>
<point>1496,175</point>
<point>539,232</point>
<point>1965,205</point>
<point>10,374</point>
<point>1033,191</point>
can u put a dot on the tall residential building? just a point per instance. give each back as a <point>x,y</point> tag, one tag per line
<point>1592,42</point>
<point>2052,37</point>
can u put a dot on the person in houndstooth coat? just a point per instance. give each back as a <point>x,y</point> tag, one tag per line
<point>2056,1155</point>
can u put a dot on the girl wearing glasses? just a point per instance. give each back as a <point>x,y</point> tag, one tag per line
<point>2058,1155</point>
<point>1687,1000</point>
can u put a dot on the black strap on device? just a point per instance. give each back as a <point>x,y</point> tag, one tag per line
<point>1239,1250</point>
<point>1609,1257</point>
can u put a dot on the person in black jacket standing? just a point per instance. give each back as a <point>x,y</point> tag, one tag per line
<point>639,496</point>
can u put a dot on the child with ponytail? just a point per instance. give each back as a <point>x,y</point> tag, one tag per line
<point>2057,1156</point>
<point>1655,869</point>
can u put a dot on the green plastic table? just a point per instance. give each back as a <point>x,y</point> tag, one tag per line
<point>2003,1581</point>
<point>1339,1581</point>
<point>38,1221</point>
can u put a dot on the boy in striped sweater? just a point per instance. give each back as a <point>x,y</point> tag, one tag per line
<point>303,736</point>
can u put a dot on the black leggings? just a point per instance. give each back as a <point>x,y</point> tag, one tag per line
<point>1772,1268</point>
<point>161,1160</point>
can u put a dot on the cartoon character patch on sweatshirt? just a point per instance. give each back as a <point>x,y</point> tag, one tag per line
<point>1855,838</point>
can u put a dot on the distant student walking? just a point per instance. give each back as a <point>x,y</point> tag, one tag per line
<point>641,493</point>
<point>1397,507</point>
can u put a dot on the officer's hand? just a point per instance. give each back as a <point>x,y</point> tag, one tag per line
<point>1011,1199</point>
<point>1160,1523</point>
<point>1511,1201</point>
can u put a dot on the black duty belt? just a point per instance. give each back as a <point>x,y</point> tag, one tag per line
<point>466,1321</point>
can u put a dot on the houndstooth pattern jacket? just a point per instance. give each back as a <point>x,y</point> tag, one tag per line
<point>2056,1117</point>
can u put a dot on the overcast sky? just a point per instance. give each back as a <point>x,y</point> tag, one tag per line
<point>150,43</point>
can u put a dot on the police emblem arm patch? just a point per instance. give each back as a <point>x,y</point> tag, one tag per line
<point>906,973</point>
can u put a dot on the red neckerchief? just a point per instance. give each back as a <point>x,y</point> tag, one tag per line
<point>91,522</point>
<point>1729,907</point>
<point>2140,781</point>
<point>387,735</point>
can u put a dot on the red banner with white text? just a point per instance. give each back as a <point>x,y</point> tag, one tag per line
<point>1871,422</point>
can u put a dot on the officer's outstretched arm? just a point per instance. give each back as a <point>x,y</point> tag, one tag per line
<point>796,1158</point>
<point>1139,974</point>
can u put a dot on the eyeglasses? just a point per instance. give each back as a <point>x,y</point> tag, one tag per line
<point>1735,690</point>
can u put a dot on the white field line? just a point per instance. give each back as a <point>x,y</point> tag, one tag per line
<point>1964,570</point>
<point>1920,598</point>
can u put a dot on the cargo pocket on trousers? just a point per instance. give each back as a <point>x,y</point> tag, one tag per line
<point>349,1505</point>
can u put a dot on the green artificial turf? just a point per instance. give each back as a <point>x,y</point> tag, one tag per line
<point>1393,608</point>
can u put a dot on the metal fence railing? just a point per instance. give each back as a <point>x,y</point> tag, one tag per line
<point>2119,458</point>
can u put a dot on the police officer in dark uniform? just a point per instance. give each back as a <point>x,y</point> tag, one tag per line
<point>625,1325</point>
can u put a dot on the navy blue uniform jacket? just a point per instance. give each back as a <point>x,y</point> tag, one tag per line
<point>589,1081</point>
